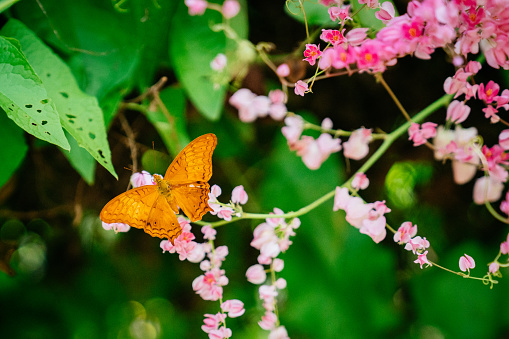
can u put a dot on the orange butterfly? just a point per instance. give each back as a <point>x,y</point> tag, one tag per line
<point>185,185</point>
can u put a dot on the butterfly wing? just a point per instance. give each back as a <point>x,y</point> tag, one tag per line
<point>194,162</point>
<point>193,199</point>
<point>162,222</point>
<point>132,207</point>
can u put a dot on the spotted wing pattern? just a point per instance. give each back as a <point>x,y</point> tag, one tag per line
<point>193,199</point>
<point>132,207</point>
<point>194,162</point>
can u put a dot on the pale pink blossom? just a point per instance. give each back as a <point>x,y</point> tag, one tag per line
<point>220,333</point>
<point>369,3</point>
<point>490,112</point>
<point>422,259</point>
<point>230,8</point>
<point>210,285</point>
<point>212,322</point>
<point>374,228</point>
<point>267,292</point>
<point>494,267</point>
<point>315,152</point>
<point>341,198</point>
<point>405,232</point>
<point>301,88</point>
<point>280,283</point>
<point>116,226</point>
<point>198,253</point>
<point>209,233</point>
<point>357,147</point>
<point>196,7</point>
<point>457,112</point>
<point>466,262</point>
<point>503,139</point>
<point>219,62</point>
<point>294,125</point>
<point>278,264</point>
<point>356,36</point>
<point>283,70</point>
<point>360,181</point>
<point>239,195</point>
<point>279,333</point>
<point>504,205</point>
<point>268,321</point>
<point>277,96</point>
<point>256,274</point>
<point>420,134</point>
<point>504,247</point>
<point>339,12</point>
<point>326,124</point>
<point>487,189</point>
<point>386,12</point>
<point>142,178</point>
<point>417,245</point>
<point>234,308</point>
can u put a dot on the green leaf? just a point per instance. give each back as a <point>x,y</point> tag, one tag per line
<point>81,160</point>
<point>5,4</point>
<point>193,45</point>
<point>314,12</point>
<point>13,150</point>
<point>171,125</point>
<point>366,16</point>
<point>24,98</point>
<point>79,113</point>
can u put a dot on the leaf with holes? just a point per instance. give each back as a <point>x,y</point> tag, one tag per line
<point>24,98</point>
<point>79,112</point>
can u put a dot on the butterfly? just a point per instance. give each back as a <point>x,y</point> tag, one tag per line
<point>185,185</point>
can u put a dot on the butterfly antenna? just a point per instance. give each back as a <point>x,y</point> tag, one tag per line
<point>153,149</point>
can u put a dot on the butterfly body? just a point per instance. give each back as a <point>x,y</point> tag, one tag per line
<point>185,186</point>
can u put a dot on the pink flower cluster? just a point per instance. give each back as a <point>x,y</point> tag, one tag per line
<point>420,134</point>
<point>406,235</point>
<point>252,106</point>
<point>271,238</point>
<point>214,323</point>
<point>367,217</point>
<point>427,25</point>
<point>225,211</point>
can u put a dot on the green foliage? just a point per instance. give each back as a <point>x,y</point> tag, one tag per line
<point>13,154</point>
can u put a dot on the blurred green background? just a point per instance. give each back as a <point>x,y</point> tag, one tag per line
<point>72,279</point>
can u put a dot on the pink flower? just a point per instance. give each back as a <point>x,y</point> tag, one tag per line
<point>283,70</point>
<point>293,129</point>
<point>239,196</point>
<point>212,322</point>
<point>268,321</point>
<point>494,267</point>
<point>374,228</point>
<point>278,265</point>
<point>209,285</point>
<point>301,88</point>
<point>315,152</point>
<point>357,147</point>
<point>487,189</point>
<point>457,112</point>
<point>417,245</point>
<point>360,181</point>
<point>504,247</point>
<point>219,62</point>
<point>333,36</point>
<point>489,92</point>
<point>256,274</point>
<point>196,7</point>
<point>339,12</point>
<point>466,263</point>
<point>356,36</point>
<point>341,198</point>
<point>117,227</point>
<point>405,232</point>
<point>209,233</point>
<point>311,53</point>
<point>230,8</point>
<point>420,134</point>
<point>234,308</point>
<point>503,139</point>
<point>220,333</point>
<point>422,259</point>
<point>369,3</point>
<point>386,12</point>
<point>490,112</point>
<point>279,333</point>
<point>142,178</point>
<point>504,206</point>
<point>277,96</point>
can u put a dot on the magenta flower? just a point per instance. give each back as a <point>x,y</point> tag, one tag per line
<point>311,53</point>
<point>333,36</point>
<point>466,263</point>
<point>488,92</point>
